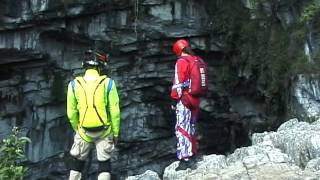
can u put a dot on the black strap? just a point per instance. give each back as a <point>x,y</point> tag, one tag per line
<point>73,163</point>
<point>85,94</point>
<point>104,166</point>
<point>95,129</point>
<point>94,104</point>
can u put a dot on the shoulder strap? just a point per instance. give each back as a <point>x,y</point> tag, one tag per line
<point>109,87</point>
<point>191,64</point>
<point>181,58</point>
<point>82,82</point>
<point>73,84</point>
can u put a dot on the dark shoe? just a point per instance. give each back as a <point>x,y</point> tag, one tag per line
<point>183,165</point>
<point>193,161</point>
<point>196,158</point>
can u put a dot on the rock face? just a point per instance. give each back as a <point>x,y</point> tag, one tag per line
<point>304,101</point>
<point>292,152</point>
<point>148,175</point>
<point>41,48</point>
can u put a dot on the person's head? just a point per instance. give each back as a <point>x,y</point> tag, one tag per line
<point>94,60</point>
<point>182,46</point>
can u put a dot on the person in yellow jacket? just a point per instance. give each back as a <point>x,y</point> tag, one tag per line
<point>94,114</point>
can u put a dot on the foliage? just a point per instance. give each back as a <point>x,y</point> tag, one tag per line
<point>259,39</point>
<point>310,11</point>
<point>11,155</point>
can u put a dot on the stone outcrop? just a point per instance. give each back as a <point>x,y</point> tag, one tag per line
<point>41,48</point>
<point>292,152</point>
<point>304,101</point>
<point>148,175</point>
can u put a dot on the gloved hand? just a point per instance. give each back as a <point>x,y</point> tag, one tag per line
<point>115,140</point>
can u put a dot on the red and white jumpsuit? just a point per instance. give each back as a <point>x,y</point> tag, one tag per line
<point>187,109</point>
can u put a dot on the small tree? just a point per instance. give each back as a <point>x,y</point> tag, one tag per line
<point>11,155</point>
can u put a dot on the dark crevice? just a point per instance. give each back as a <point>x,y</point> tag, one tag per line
<point>5,72</point>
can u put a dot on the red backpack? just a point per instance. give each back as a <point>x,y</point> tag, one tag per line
<point>198,85</point>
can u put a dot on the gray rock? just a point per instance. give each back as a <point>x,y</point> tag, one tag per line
<point>288,125</point>
<point>162,12</point>
<point>262,160</point>
<point>313,165</point>
<point>152,2</point>
<point>42,38</point>
<point>305,99</point>
<point>148,175</point>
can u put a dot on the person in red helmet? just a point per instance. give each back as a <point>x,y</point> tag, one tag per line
<point>187,106</point>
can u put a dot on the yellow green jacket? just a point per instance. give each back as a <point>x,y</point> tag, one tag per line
<point>93,101</point>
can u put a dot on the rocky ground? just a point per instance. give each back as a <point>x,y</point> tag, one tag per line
<point>292,152</point>
<point>41,49</point>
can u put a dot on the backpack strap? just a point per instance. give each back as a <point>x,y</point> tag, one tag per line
<point>109,87</point>
<point>80,81</point>
<point>103,78</point>
<point>73,85</point>
<point>184,58</point>
<point>186,83</point>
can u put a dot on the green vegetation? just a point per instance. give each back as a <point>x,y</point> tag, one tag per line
<point>11,155</point>
<point>262,40</point>
<point>310,11</point>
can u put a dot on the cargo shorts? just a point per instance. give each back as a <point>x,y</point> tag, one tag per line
<point>80,148</point>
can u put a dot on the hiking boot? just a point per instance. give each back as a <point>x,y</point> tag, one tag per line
<point>183,165</point>
<point>197,158</point>
<point>192,163</point>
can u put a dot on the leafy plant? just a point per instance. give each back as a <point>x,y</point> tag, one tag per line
<point>310,11</point>
<point>11,156</point>
<point>259,40</point>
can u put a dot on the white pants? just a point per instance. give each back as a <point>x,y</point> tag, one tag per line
<point>80,150</point>
<point>185,132</point>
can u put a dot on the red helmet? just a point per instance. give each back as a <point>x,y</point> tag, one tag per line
<point>179,45</point>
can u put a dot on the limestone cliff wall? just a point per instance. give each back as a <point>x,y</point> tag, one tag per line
<point>41,48</point>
